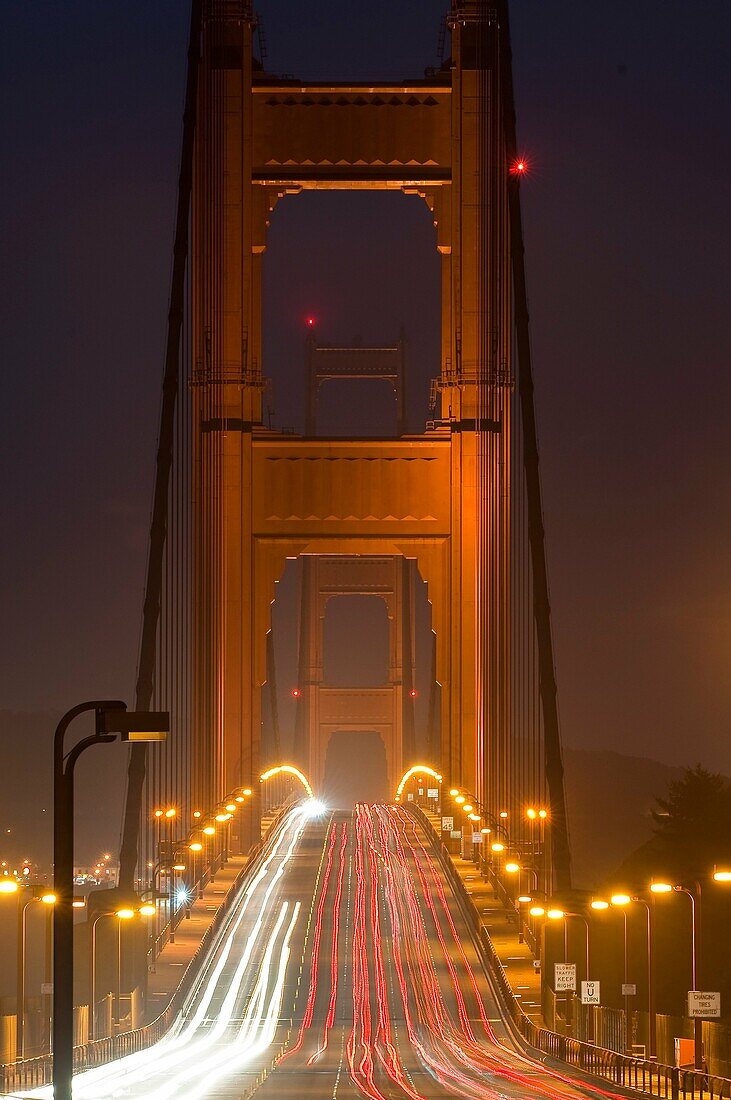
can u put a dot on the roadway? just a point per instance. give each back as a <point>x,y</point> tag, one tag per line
<point>345,969</point>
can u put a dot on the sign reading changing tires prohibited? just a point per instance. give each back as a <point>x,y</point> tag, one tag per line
<point>707,1006</point>
<point>564,977</point>
<point>590,993</point>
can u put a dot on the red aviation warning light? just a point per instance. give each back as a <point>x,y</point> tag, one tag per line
<point>413,693</point>
<point>295,693</point>
<point>310,322</point>
<point>519,167</point>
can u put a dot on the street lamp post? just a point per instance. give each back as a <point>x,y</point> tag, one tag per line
<point>111,719</point>
<point>651,1021</point>
<point>92,990</point>
<point>622,901</point>
<point>721,876</point>
<point>695,906</point>
<point>49,898</point>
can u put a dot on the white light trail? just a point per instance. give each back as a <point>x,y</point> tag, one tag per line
<point>195,1055</point>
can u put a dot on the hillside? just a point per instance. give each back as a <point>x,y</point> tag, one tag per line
<point>609,799</point>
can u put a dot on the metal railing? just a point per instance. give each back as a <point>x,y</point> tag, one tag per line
<point>640,1075</point>
<point>36,1072</point>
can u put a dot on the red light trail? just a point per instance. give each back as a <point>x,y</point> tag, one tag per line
<point>411,962</point>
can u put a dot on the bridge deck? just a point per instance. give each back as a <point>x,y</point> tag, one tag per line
<point>345,968</point>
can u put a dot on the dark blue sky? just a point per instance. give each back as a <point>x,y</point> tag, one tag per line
<point>624,113</point>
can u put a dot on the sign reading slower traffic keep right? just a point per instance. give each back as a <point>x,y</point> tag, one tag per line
<point>564,977</point>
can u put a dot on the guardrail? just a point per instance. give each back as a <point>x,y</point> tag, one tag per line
<point>645,1077</point>
<point>36,1072</point>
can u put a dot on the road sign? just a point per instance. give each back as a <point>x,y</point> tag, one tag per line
<point>629,989</point>
<point>456,834</point>
<point>421,792</point>
<point>564,977</point>
<point>432,792</point>
<point>477,838</point>
<point>410,796</point>
<point>707,1006</point>
<point>447,824</point>
<point>590,993</point>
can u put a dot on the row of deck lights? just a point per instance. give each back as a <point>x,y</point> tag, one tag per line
<point>499,824</point>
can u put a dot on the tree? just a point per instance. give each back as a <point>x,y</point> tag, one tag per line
<point>693,821</point>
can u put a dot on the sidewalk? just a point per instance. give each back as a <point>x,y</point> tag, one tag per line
<point>516,958</point>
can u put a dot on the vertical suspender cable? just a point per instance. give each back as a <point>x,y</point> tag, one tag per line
<point>536,533</point>
<point>158,527</point>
